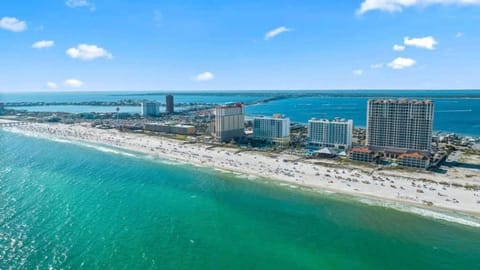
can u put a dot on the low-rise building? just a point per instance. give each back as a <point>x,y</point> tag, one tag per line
<point>170,128</point>
<point>275,129</point>
<point>414,160</point>
<point>363,154</point>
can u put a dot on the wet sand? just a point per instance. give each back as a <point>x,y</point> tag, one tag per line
<point>394,186</point>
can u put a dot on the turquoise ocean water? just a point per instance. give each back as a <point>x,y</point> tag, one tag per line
<point>455,110</point>
<point>67,206</point>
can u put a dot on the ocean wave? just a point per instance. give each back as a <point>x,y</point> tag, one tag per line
<point>103,149</point>
<point>110,150</point>
<point>171,162</point>
<point>245,176</point>
<point>432,214</point>
<point>453,111</point>
<point>222,170</point>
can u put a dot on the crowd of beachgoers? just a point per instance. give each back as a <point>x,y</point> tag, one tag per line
<point>421,188</point>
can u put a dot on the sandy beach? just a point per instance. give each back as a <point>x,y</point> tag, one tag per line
<point>425,189</point>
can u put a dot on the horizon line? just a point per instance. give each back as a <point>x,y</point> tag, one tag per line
<point>238,90</point>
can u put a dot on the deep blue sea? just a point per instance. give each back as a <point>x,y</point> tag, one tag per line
<point>456,111</point>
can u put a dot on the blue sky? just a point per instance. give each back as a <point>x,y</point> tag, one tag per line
<point>88,45</point>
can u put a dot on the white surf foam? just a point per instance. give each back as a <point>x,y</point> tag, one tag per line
<point>433,214</point>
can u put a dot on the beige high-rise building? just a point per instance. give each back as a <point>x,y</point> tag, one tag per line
<point>229,122</point>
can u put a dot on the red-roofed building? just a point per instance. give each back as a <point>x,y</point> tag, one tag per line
<point>414,160</point>
<point>363,154</point>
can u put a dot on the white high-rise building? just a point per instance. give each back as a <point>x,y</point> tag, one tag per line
<point>150,108</point>
<point>402,124</point>
<point>335,133</point>
<point>274,129</point>
<point>229,122</point>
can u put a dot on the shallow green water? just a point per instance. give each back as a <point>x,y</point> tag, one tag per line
<point>68,206</point>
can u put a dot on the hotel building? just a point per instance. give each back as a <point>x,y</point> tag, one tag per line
<point>414,160</point>
<point>169,104</point>
<point>400,125</point>
<point>229,122</point>
<point>275,129</point>
<point>335,133</point>
<point>150,108</point>
<point>170,128</point>
<point>363,154</point>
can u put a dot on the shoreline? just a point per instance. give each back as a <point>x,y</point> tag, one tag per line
<point>381,187</point>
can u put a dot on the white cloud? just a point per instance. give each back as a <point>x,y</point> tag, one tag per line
<point>424,42</point>
<point>204,76</point>
<point>74,83</point>
<point>459,34</point>
<point>357,72</point>
<point>377,66</point>
<point>52,85</point>
<point>398,48</point>
<point>401,63</point>
<point>43,44</point>
<point>80,3</point>
<point>88,52</point>
<point>277,31</point>
<point>13,24</point>
<point>399,5</point>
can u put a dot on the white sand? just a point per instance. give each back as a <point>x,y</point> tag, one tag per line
<point>356,180</point>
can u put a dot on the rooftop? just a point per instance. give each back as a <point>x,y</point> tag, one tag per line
<point>400,101</point>
<point>361,150</point>
<point>275,116</point>
<point>170,125</point>
<point>415,155</point>
<point>231,105</point>
<point>336,120</point>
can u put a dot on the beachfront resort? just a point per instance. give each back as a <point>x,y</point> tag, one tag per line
<point>396,157</point>
<point>398,132</point>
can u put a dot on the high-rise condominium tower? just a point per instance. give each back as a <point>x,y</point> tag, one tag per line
<point>400,124</point>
